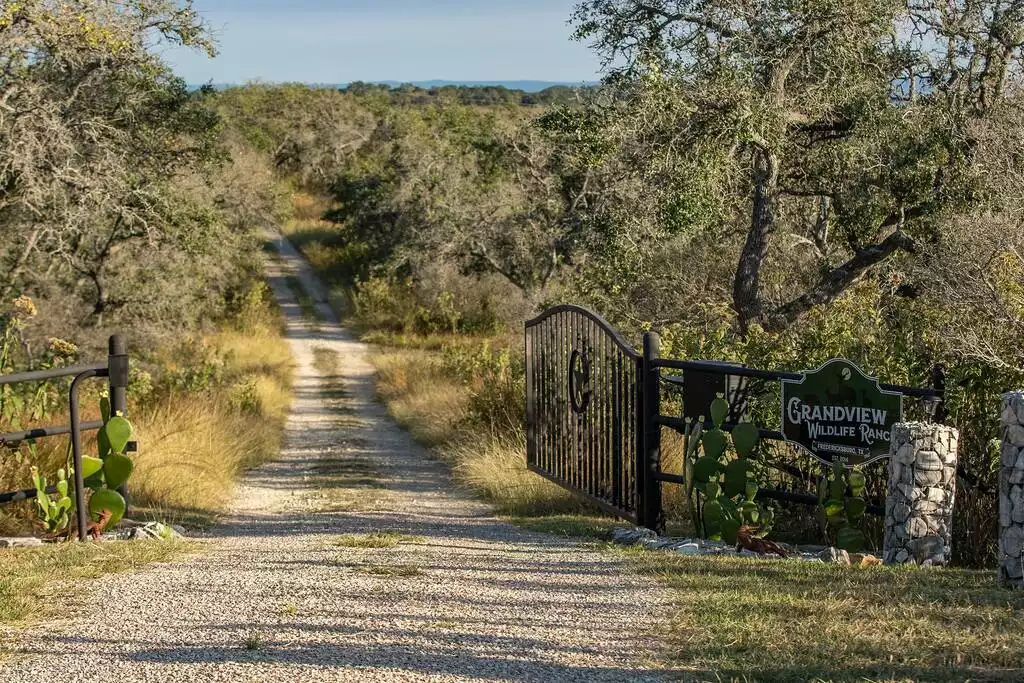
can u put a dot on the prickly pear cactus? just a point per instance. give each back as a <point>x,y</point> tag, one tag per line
<point>102,475</point>
<point>729,484</point>
<point>54,512</point>
<point>843,506</point>
<point>115,467</point>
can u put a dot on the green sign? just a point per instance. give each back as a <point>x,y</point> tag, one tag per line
<point>838,414</point>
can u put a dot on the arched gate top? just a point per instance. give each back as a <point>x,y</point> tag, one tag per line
<point>613,333</point>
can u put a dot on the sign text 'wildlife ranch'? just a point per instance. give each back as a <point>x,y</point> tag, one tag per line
<point>839,414</point>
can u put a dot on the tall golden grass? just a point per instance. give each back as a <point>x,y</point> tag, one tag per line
<point>433,405</point>
<point>192,446</point>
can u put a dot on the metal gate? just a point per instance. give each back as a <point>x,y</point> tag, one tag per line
<point>115,369</point>
<point>594,414</point>
<point>583,407</point>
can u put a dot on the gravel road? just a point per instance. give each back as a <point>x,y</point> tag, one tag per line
<point>461,597</point>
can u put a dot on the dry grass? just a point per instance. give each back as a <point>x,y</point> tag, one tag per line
<point>380,539</point>
<point>322,243</point>
<point>433,405</point>
<point>736,619</point>
<point>26,575</point>
<point>420,395</point>
<point>389,570</point>
<point>595,527</point>
<point>193,448</point>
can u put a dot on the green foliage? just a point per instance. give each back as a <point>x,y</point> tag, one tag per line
<point>32,401</point>
<point>91,467</point>
<point>729,485</point>
<point>114,437</point>
<point>205,371</point>
<point>497,382</point>
<point>146,225</point>
<point>53,513</point>
<point>842,506</point>
<point>244,397</point>
<point>395,305</point>
<point>102,474</point>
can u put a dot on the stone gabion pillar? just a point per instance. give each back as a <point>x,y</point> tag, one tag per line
<point>919,500</point>
<point>1011,491</point>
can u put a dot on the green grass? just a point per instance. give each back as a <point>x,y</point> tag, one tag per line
<point>404,570</point>
<point>376,540</point>
<point>737,619</point>
<point>253,640</point>
<point>27,575</point>
<point>571,526</point>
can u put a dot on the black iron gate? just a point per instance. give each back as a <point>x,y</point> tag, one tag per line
<point>583,406</point>
<point>593,411</point>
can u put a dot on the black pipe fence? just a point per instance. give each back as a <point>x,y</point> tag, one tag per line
<point>115,370</point>
<point>594,412</point>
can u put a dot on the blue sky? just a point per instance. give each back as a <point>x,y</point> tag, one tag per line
<point>337,41</point>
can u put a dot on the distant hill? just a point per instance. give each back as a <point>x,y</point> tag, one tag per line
<point>525,86</point>
<point>479,93</point>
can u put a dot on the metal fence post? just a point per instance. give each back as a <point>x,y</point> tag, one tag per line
<point>649,512</point>
<point>117,373</point>
<point>81,512</point>
<point>940,413</point>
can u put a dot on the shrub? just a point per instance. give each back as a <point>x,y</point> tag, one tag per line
<point>496,379</point>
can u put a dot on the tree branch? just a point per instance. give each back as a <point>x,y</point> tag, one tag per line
<point>839,279</point>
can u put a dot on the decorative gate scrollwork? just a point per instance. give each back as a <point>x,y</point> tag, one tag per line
<point>579,381</point>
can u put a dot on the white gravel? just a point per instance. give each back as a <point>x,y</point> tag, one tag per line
<point>274,600</point>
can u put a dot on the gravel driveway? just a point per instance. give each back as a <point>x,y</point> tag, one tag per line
<point>459,596</point>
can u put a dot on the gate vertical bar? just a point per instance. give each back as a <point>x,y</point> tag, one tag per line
<point>617,415</point>
<point>638,434</point>
<point>649,465</point>
<point>593,453</point>
<point>543,368</point>
<point>603,416</point>
<point>563,411</point>
<point>531,416</point>
<point>81,512</point>
<point>635,434</point>
<point>117,378</point>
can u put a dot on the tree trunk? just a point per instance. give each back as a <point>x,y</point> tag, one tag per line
<point>746,292</point>
<point>19,266</point>
<point>100,300</point>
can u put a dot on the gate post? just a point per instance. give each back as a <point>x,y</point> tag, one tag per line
<point>117,377</point>
<point>1011,491</point>
<point>921,488</point>
<point>649,512</point>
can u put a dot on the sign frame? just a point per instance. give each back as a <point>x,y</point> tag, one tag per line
<point>873,381</point>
